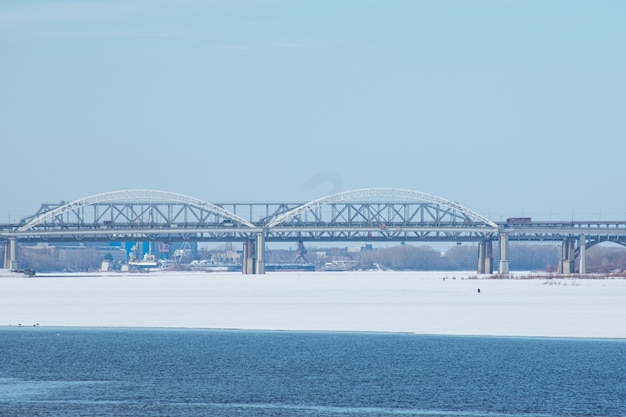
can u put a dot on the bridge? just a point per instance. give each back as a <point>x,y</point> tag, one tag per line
<point>366,215</point>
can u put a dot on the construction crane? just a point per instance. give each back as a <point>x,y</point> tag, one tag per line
<point>300,258</point>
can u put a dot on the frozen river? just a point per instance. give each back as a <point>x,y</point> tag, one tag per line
<point>444,303</point>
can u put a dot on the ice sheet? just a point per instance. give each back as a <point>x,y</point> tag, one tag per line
<point>416,302</point>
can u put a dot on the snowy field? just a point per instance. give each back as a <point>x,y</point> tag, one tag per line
<point>416,302</point>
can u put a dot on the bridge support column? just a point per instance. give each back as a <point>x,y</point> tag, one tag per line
<point>485,257</point>
<point>253,261</point>
<point>566,264</point>
<point>503,268</point>
<point>10,255</point>
<point>247,263</point>
<point>582,242</point>
<point>5,261</point>
<point>259,267</point>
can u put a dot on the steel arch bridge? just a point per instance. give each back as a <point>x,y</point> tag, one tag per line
<point>365,215</point>
<point>380,214</point>
<point>376,214</point>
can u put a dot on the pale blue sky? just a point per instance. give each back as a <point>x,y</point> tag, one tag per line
<point>507,107</point>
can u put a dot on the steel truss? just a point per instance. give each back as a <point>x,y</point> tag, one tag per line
<point>370,214</point>
<point>375,215</point>
<point>594,231</point>
<point>380,214</point>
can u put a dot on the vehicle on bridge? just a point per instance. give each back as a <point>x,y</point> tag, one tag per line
<point>515,220</point>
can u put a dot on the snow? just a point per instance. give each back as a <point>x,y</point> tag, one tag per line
<point>443,303</point>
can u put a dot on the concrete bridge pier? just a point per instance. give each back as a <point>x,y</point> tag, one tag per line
<point>485,257</point>
<point>259,267</point>
<point>10,255</point>
<point>247,262</point>
<point>5,260</point>
<point>503,268</point>
<point>582,246</point>
<point>253,261</point>
<point>568,253</point>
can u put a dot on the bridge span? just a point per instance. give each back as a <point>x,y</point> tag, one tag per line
<point>366,215</point>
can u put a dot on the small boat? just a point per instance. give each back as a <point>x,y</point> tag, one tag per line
<point>148,262</point>
<point>295,267</point>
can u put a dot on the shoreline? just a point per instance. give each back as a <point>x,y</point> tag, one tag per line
<point>373,332</point>
<point>516,275</point>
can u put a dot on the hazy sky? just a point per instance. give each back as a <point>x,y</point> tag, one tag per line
<point>507,107</point>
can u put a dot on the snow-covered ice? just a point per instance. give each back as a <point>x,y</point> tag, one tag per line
<point>415,302</point>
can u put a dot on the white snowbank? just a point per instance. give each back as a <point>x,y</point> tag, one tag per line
<point>416,302</point>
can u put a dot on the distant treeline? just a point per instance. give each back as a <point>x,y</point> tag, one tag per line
<point>522,257</point>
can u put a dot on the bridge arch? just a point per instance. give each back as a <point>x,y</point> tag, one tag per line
<point>131,196</point>
<point>595,242</point>
<point>590,243</point>
<point>370,193</point>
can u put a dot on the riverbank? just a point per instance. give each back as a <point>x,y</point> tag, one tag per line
<point>442,303</point>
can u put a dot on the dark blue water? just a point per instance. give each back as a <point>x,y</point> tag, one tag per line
<point>77,372</point>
